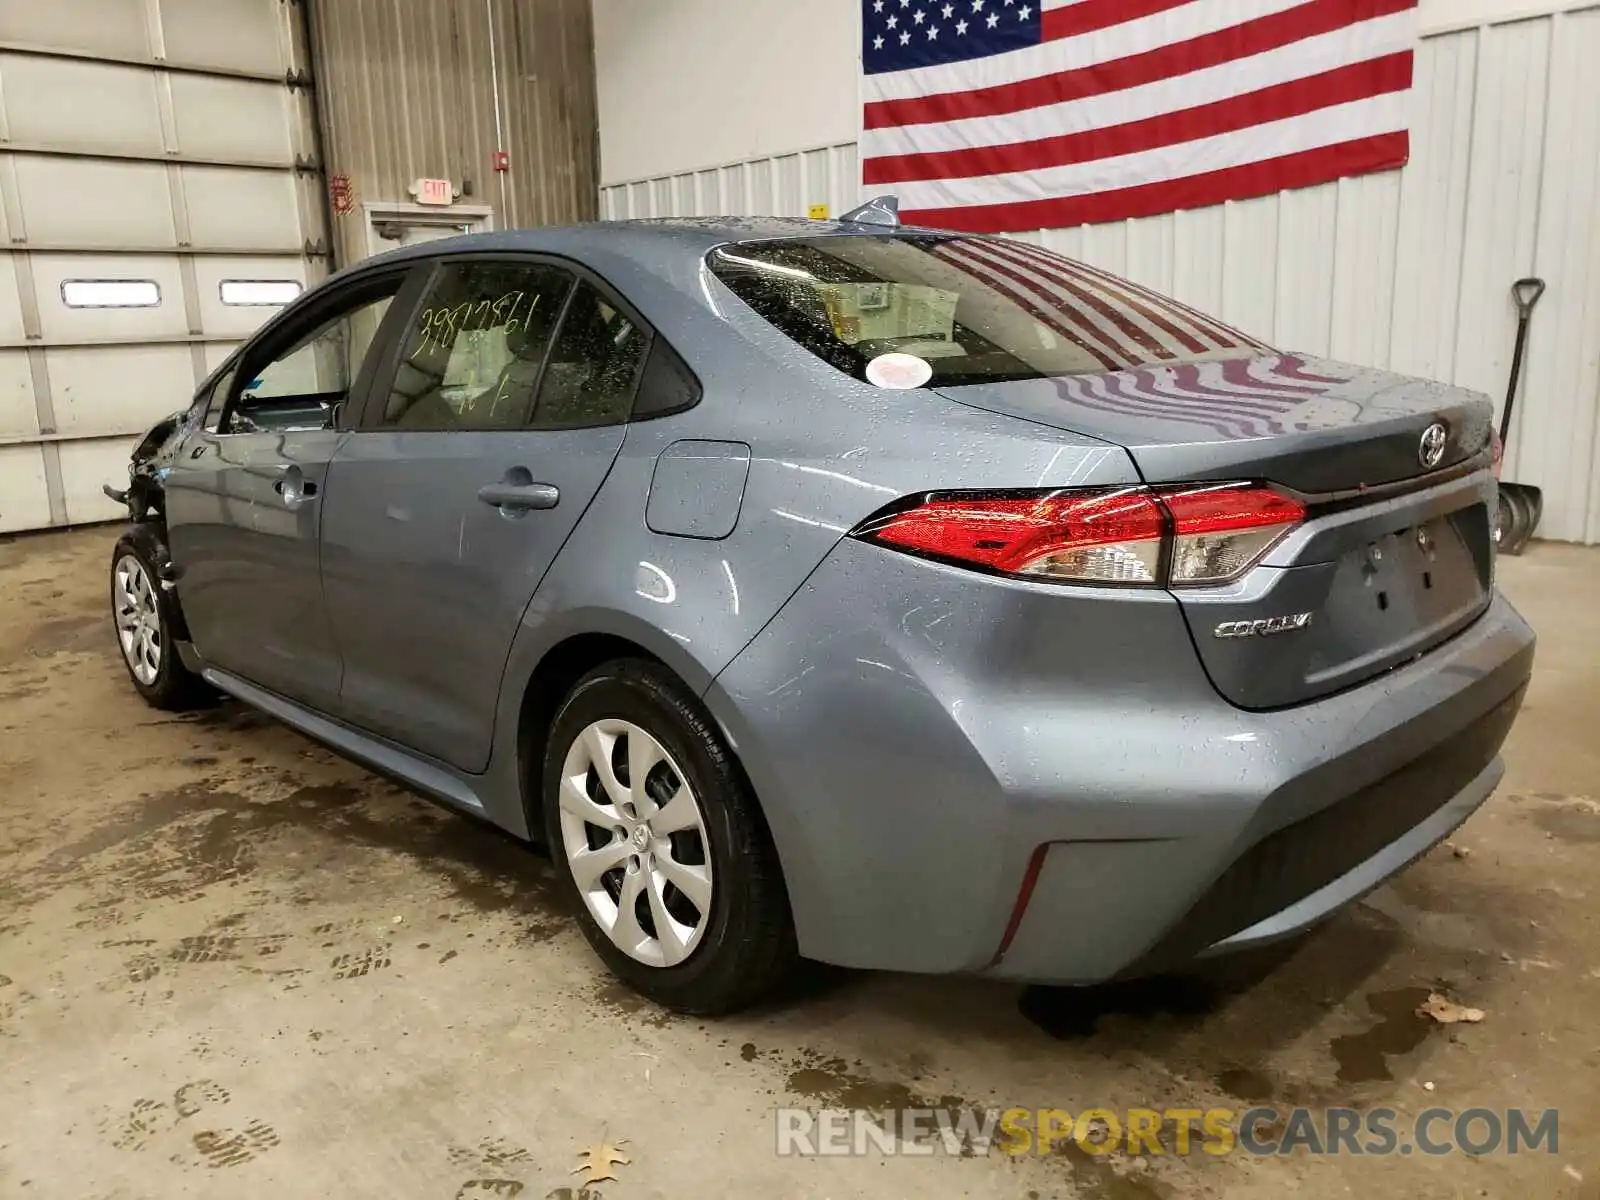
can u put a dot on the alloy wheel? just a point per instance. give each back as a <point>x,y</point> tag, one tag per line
<point>138,619</point>
<point>635,840</point>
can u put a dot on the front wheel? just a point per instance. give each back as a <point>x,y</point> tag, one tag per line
<point>145,617</point>
<point>649,819</point>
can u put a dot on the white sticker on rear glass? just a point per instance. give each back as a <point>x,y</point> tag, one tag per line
<point>899,371</point>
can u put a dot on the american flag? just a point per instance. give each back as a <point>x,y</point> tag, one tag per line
<point>993,115</point>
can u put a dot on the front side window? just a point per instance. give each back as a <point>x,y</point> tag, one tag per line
<point>975,310</point>
<point>325,362</point>
<point>472,357</point>
<point>302,385</point>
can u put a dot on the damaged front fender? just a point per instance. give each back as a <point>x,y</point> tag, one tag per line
<point>144,496</point>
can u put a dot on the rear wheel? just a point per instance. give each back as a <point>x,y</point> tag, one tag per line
<point>652,824</point>
<point>146,619</point>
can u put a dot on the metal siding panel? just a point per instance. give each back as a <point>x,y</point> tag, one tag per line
<point>1433,193</point>
<point>791,202</point>
<point>1554,438</point>
<point>46,103</point>
<point>24,500</point>
<point>117,389</point>
<point>759,187</point>
<point>1364,268</point>
<point>99,26</point>
<point>736,190</point>
<point>1150,251</point>
<point>708,196</point>
<point>1250,232</point>
<point>57,322</point>
<point>242,34</point>
<point>95,202</point>
<point>1197,257</point>
<point>1502,199</point>
<point>1306,220</point>
<point>409,92</point>
<point>232,118</point>
<point>1106,246</point>
<point>19,416</point>
<point>241,208</point>
<point>1066,242</point>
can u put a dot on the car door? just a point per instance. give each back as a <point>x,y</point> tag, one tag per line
<point>501,415</point>
<point>243,497</point>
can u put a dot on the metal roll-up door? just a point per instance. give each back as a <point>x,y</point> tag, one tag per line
<point>160,197</point>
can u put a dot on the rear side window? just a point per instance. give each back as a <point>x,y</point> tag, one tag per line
<point>975,310</point>
<point>471,358</point>
<point>593,367</point>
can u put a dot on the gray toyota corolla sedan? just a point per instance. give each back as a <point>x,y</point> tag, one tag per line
<point>877,595</point>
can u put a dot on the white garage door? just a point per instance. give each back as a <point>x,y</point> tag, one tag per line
<point>158,201</point>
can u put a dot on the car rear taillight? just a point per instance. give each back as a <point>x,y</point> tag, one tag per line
<point>1183,536</point>
<point>1219,532</point>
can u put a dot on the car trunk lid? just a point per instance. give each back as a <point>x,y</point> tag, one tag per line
<point>1395,555</point>
<point>1309,424</point>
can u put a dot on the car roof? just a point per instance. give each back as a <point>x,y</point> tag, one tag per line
<point>653,242</point>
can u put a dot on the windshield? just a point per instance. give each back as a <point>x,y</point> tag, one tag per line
<point>974,310</point>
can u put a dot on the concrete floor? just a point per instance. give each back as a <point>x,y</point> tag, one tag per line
<point>233,964</point>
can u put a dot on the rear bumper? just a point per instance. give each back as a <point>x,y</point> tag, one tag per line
<point>918,735</point>
<point>1290,879</point>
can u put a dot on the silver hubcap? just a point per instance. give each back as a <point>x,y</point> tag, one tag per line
<point>635,841</point>
<point>138,619</point>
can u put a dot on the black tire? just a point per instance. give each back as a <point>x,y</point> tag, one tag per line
<point>747,951</point>
<point>173,687</point>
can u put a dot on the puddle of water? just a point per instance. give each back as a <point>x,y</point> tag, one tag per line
<point>1364,1057</point>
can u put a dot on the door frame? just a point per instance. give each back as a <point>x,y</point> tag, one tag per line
<point>468,218</point>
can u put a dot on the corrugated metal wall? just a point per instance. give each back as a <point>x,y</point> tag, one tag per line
<point>1409,269</point>
<point>431,88</point>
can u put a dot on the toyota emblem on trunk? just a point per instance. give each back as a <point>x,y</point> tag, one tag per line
<point>1431,450</point>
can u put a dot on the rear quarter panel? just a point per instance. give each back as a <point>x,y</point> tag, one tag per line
<point>825,452</point>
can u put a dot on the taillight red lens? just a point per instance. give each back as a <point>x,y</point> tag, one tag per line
<point>1189,535</point>
<point>1105,537</point>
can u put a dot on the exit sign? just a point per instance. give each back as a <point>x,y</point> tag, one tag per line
<point>434,191</point>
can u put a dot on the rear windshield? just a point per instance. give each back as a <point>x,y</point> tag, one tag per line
<point>976,310</point>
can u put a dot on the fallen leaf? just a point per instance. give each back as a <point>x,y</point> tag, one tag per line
<point>1447,1012</point>
<point>598,1161</point>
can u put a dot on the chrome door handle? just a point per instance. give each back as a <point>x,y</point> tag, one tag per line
<point>520,497</point>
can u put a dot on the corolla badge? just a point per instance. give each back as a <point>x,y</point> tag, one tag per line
<point>1430,451</point>
<point>1264,627</point>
